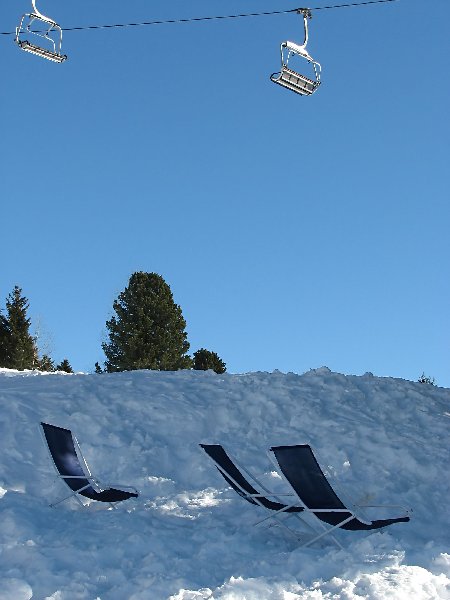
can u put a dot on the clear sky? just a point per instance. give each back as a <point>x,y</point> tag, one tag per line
<point>294,232</point>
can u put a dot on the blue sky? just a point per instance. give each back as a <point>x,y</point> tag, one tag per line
<point>294,232</point>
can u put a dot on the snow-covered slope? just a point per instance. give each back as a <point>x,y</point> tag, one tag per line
<point>382,441</point>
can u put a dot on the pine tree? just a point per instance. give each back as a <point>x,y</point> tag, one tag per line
<point>64,366</point>
<point>22,351</point>
<point>205,359</point>
<point>98,368</point>
<point>4,341</point>
<point>46,363</point>
<point>148,330</point>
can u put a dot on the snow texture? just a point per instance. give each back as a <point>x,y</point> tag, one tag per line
<point>189,536</point>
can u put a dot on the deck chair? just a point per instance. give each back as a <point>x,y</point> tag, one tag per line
<point>301,469</point>
<point>234,477</point>
<point>71,467</point>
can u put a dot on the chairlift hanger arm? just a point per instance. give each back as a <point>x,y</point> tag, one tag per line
<point>40,15</point>
<point>306,14</point>
<point>301,49</point>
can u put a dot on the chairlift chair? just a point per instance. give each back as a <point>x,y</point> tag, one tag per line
<point>288,77</point>
<point>52,48</point>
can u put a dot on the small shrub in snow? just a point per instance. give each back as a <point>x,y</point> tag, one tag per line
<point>425,379</point>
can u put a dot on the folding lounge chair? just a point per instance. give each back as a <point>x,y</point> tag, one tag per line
<point>72,469</point>
<point>233,476</point>
<point>302,471</point>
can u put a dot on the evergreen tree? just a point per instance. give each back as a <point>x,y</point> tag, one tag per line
<point>205,359</point>
<point>98,368</point>
<point>64,366</point>
<point>22,352</point>
<point>46,363</point>
<point>4,341</point>
<point>148,330</point>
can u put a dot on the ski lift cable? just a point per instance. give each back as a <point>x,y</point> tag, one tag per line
<point>211,18</point>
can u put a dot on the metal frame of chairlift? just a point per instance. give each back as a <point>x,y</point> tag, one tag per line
<point>291,79</point>
<point>26,45</point>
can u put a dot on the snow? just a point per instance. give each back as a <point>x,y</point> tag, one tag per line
<point>188,536</point>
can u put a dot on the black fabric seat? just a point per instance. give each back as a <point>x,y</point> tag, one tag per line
<point>241,485</point>
<point>62,445</point>
<point>301,469</point>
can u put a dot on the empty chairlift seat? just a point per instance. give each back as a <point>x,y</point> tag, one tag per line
<point>295,81</point>
<point>290,78</point>
<point>40,35</point>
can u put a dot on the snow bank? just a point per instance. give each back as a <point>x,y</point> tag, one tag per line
<point>188,537</point>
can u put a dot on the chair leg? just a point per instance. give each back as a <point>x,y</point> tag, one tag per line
<point>73,494</point>
<point>273,515</point>
<point>276,516</point>
<point>328,532</point>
